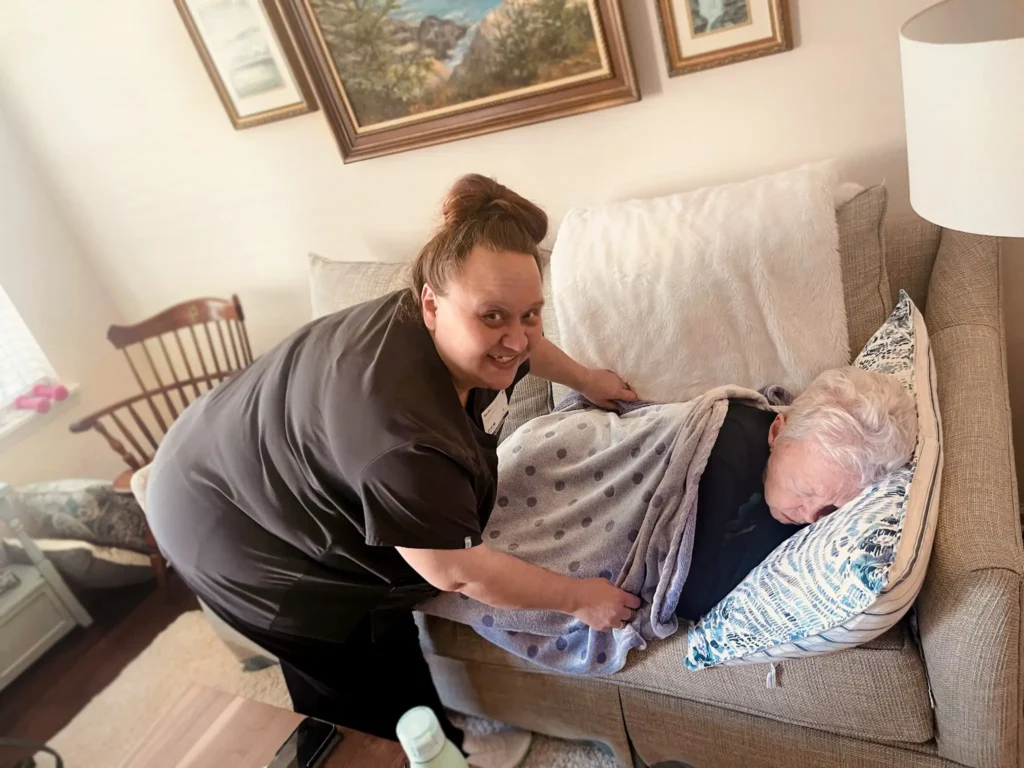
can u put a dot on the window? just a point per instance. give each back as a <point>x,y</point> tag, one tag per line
<point>22,362</point>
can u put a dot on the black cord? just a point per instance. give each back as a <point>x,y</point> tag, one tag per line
<point>21,743</point>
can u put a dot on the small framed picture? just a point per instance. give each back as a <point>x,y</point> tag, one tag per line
<point>250,58</point>
<point>700,34</point>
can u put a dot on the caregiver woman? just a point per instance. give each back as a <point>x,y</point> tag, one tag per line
<point>313,499</point>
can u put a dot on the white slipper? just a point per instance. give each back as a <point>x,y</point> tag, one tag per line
<point>504,749</point>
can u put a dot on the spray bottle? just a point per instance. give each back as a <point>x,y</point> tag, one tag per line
<point>425,744</point>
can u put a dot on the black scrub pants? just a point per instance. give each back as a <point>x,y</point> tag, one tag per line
<point>363,683</point>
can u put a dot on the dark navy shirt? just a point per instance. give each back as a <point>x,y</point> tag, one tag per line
<point>735,531</point>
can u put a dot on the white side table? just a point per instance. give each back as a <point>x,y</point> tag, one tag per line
<point>36,613</point>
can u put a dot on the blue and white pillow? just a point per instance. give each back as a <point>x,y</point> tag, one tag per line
<point>851,576</point>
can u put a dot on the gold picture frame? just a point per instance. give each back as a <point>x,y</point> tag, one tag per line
<point>701,34</point>
<point>250,58</point>
<point>579,62</point>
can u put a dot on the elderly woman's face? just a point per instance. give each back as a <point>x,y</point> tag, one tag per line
<point>801,485</point>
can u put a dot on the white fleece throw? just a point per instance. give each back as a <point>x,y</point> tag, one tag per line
<point>736,285</point>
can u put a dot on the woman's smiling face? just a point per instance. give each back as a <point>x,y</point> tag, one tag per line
<point>488,321</point>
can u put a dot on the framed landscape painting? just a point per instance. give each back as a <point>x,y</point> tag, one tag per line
<point>394,75</point>
<point>246,50</point>
<point>700,34</point>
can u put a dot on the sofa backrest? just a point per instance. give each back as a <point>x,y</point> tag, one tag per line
<point>877,260</point>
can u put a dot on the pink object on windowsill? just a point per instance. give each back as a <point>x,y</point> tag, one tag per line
<point>30,403</point>
<point>52,391</point>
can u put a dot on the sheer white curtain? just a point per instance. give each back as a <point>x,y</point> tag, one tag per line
<point>22,362</point>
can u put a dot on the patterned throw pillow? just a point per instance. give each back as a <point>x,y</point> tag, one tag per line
<point>86,510</point>
<point>851,576</point>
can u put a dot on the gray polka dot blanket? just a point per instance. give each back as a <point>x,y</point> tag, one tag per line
<point>591,493</point>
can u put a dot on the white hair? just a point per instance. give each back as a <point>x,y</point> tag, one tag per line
<point>865,422</point>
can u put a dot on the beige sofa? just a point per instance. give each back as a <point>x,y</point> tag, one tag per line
<point>953,699</point>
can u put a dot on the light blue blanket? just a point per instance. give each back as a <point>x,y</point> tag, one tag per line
<point>589,493</point>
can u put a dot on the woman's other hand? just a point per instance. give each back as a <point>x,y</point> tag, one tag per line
<point>603,606</point>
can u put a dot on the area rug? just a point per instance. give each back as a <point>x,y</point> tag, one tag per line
<point>112,725</point>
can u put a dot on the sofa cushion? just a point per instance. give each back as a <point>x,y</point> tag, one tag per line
<point>911,245</point>
<point>853,574</point>
<point>877,691</point>
<point>862,253</point>
<point>335,285</point>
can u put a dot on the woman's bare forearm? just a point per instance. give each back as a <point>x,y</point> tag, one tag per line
<point>495,578</point>
<point>549,362</point>
<point>504,581</point>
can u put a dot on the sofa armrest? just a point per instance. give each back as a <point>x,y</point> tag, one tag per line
<point>969,610</point>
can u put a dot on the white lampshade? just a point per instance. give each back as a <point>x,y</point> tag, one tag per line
<point>963,91</point>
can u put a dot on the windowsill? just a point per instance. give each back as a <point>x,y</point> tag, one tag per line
<point>20,424</point>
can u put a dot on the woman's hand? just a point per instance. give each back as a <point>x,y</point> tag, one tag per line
<point>603,606</point>
<point>603,388</point>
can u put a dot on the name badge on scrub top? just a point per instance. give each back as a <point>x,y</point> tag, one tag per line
<point>493,416</point>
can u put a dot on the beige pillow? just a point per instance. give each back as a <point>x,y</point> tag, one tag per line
<point>335,285</point>
<point>862,254</point>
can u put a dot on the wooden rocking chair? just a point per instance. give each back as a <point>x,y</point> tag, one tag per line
<point>182,352</point>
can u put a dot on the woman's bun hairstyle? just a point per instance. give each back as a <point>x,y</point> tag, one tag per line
<point>478,211</point>
<point>475,198</point>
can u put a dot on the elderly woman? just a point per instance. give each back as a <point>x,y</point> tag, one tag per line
<point>768,472</point>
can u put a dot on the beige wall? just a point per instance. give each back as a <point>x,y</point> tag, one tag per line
<point>67,307</point>
<point>173,202</point>
<point>170,201</point>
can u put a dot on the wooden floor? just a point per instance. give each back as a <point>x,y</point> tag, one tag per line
<point>47,696</point>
